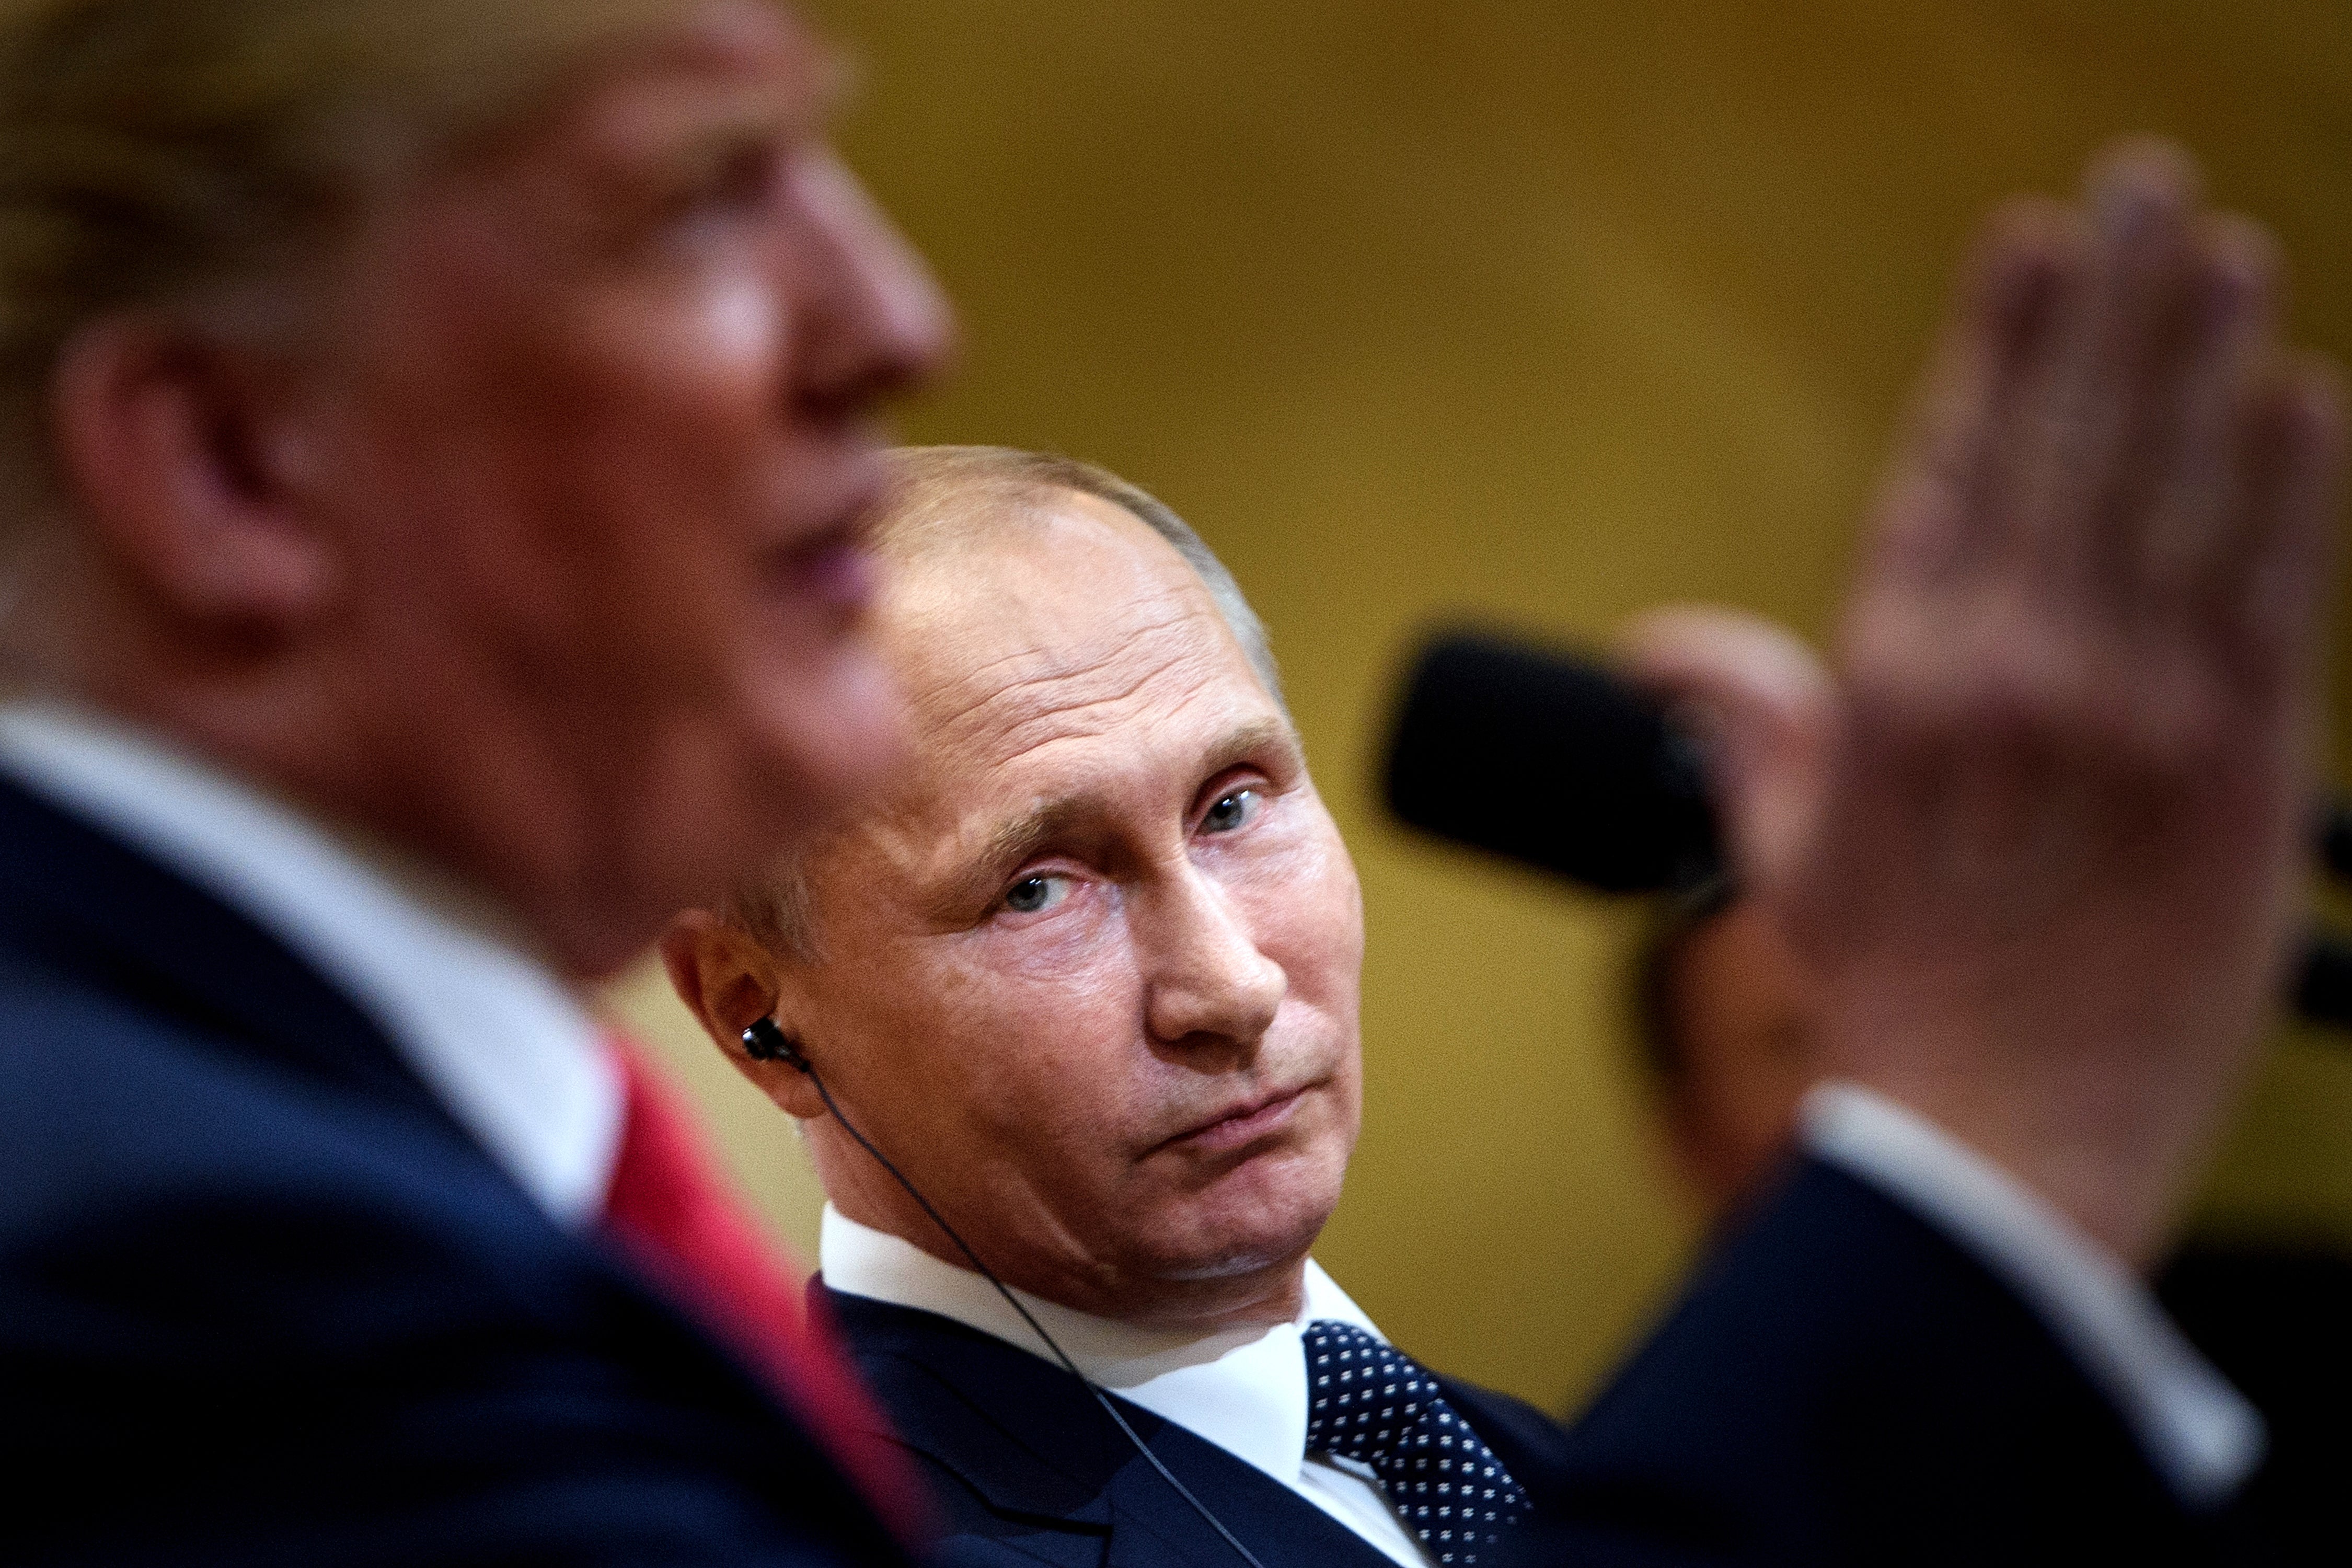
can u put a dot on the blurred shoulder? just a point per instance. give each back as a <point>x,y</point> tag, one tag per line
<point>1533,1445</point>
<point>355,1339</point>
<point>114,1100</point>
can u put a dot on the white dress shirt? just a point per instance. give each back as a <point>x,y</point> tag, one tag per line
<point>2199,1433</point>
<point>1244,1389</point>
<point>492,1031</point>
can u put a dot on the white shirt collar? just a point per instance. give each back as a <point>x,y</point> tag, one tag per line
<point>497,1037</point>
<point>1243,1389</point>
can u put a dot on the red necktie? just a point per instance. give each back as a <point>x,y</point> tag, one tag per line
<point>684,1220</point>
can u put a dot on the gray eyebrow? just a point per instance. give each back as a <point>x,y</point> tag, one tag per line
<point>1016,838</point>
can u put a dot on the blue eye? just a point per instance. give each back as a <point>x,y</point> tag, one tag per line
<point>1232,810</point>
<point>1033,895</point>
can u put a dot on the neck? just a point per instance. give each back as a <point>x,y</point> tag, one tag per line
<point>1259,1297</point>
<point>455,814</point>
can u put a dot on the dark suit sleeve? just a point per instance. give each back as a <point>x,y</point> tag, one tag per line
<point>447,1429</point>
<point>1842,1384</point>
<point>244,1325</point>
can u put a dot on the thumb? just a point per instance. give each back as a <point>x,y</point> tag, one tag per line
<point>1763,708</point>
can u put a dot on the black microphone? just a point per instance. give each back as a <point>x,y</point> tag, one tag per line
<point>1551,760</point>
<point>2336,841</point>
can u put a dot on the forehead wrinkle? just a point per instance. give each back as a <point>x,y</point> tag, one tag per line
<point>987,840</point>
<point>1002,666</point>
<point>1122,637</point>
<point>1061,699</point>
<point>1048,723</point>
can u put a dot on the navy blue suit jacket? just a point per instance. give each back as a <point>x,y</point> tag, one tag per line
<point>2272,1313</point>
<point>1028,1469</point>
<point>263,1303</point>
<point>1841,1385</point>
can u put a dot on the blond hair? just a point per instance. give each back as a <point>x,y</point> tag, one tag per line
<point>943,496</point>
<point>157,152</point>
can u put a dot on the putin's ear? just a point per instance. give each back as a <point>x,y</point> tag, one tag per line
<point>727,980</point>
<point>176,452</point>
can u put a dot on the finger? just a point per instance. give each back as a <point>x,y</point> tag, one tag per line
<point>1932,509</point>
<point>2193,511</point>
<point>2082,420</point>
<point>1727,659</point>
<point>2273,596</point>
<point>1764,706</point>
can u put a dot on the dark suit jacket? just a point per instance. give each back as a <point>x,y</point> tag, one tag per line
<point>1839,1385</point>
<point>2274,1314</point>
<point>1028,1469</point>
<point>262,1301</point>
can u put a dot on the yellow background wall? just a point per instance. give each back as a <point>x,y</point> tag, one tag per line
<point>1546,309</point>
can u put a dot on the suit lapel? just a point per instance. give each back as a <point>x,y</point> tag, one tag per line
<point>1532,1446</point>
<point>1029,1441</point>
<point>82,909</point>
<point>82,904</point>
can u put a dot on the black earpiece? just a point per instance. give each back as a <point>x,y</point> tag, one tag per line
<point>764,1042</point>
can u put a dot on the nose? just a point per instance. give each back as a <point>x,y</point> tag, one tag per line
<point>1207,978</point>
<point>874,322</point>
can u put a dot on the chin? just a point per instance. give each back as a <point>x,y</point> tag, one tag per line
<point>1266,1215</point>
<point>1231,1266</point>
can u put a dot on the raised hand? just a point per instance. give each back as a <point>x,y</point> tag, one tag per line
<point>2053,861</point>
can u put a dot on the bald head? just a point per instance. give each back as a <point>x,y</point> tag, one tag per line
<point>946,497</point>
<point>947,507</point>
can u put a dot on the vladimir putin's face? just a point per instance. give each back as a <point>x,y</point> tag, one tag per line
<point>1092,978</point>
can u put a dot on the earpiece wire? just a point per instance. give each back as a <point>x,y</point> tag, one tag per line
<point>1102,1397</point>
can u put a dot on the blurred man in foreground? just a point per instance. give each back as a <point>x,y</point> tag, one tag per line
<point>1088,977</point>
<point>435,448</point>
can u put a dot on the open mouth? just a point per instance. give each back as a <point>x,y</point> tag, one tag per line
<point>828,557</point>
<point>836,567</point>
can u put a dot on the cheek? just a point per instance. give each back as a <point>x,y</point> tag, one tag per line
<point>1309,909</point>
<point>682,398</point>
<point>601,459</point>
<point>1005,1054</point>
<point>1082,952</point>
<point>737,328</point>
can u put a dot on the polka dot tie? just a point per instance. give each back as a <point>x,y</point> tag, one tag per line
<point>1367,1403</point>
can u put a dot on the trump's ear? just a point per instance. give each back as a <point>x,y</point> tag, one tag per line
<point>181,455</point>
<point>727,980</point>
